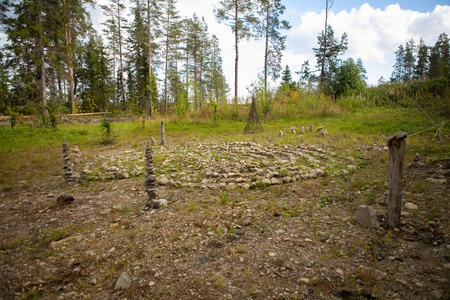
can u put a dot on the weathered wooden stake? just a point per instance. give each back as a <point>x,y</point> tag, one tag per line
<point>396,144</point>
<point>162,133</point>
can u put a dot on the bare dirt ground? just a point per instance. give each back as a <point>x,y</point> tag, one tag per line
<point>297,240</point>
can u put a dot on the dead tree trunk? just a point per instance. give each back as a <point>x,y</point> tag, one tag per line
<point>396,144</point>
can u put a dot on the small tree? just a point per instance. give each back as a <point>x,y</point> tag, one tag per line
<point>106,126</point>
<point>14,116</point>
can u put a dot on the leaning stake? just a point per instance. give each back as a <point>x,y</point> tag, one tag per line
<point>396,144</point>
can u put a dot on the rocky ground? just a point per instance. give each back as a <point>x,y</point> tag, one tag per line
<point>243,221</point>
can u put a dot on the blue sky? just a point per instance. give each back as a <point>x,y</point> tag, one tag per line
<point>375,30</point>
<point>339,5</point>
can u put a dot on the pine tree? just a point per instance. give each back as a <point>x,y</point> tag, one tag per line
<point>237,14</point>
<point>115,25</point>
<point>94,76</point>
<point>219,87</point>
<point>399,68</point>
<point>153,32</point>
<point>25,31</point>
<point>349,78</point>
<point>327,55</point>
<point>76,24</point>
<point>409,60</point>
<point>440,58</point>
<point>325,44</point>
<point>269,28</point>
<point>421,68</point>
<point>170,33</point>
<point>137,58</point>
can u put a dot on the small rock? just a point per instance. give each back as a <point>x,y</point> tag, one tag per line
<point>437,294</point>
<point>119,176</point>
<point>65,199</point>
<point>380,256</point>
<point>151,283</point>
<point>274,181</point>
<point>368,273</point>
<point>162,180</point>
<point>272,254</point>
<point>123,282</point>
<point>339,271</point>
<point>93,281</point>
<point>436,180</point>
<point>366,216</point>
<point>411,206</point>
<point>158,203</point>
<point>303,280</point>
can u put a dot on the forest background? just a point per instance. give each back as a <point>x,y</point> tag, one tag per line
<point>153,62</point>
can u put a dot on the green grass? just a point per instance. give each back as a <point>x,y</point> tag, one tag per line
<point>28,152</point>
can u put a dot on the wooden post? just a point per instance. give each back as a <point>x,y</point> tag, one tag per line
<point>162,133</point>
<point>396,144</point>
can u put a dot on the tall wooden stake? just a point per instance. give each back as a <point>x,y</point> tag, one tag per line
<point>163,133</point>
<point>396,144</point>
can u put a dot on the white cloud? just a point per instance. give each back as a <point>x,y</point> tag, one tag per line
<point>373,34</point>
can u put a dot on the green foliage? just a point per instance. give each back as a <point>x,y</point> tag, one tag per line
<point>349,79</point>
<point>106,126</point>
<point>53,115</point>
<point>14,116</point>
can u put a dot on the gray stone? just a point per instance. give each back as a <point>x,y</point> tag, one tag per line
<point>310,128</point>
<point>266,181</point>
<point>437,294</point>
<point>162,180</point>
<point>411,206</point>
<point>158,203</point>
<point>366,216</point>
<point>274,181</point>
<point>65,199</point>
<point>245,186</point>
<point>123,282</point>
<point>324,132</point>
<point>436,180</point>
<point>368,273</point>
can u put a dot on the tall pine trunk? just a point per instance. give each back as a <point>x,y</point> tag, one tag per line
<point>148,109</point>
<point>69,58</point>
<point>42,67</point>
<point>236,37</point>
<point>167,62</point>
<point>322,67</point>
<point>266,53</point>
<point>122,83</point>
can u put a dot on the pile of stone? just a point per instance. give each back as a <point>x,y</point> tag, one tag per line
<point>69,174</point>
<point>151,186</point>
<point>309,129</point>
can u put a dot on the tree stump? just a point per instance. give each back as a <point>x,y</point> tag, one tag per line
<point>396,144</point>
